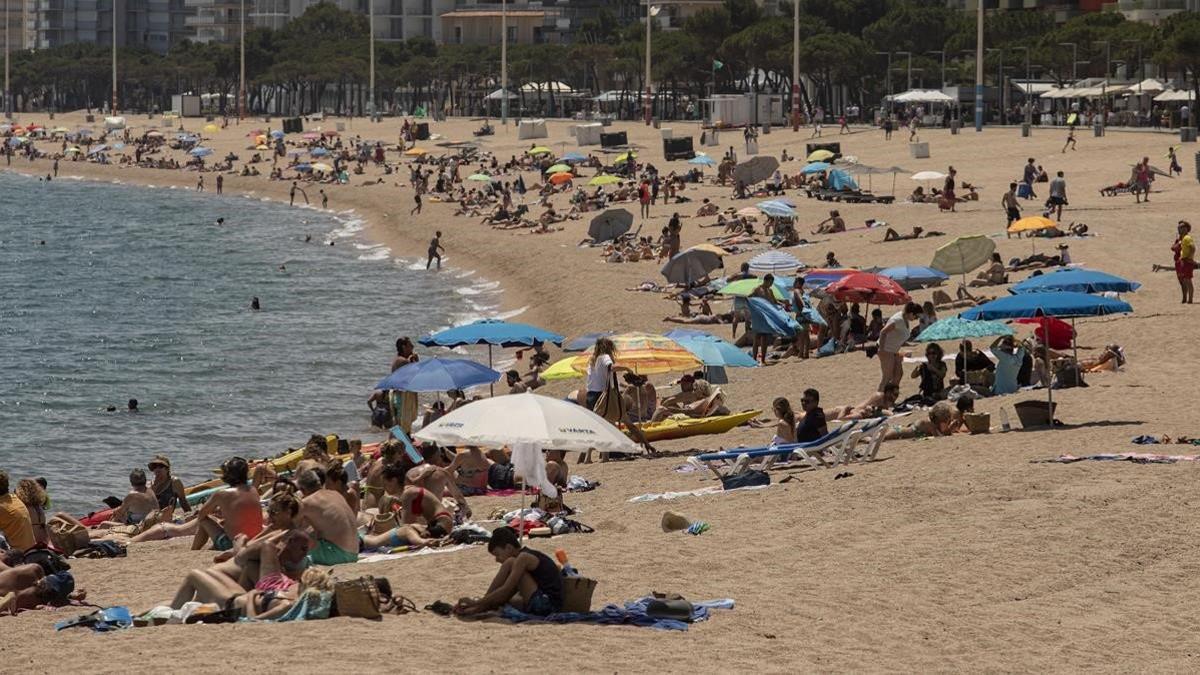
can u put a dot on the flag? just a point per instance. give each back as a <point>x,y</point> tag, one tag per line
<point>717,65</point>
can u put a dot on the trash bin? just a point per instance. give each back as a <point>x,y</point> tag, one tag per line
<point>656,123</point>
<point>1025,131</point>
<point>1097,129</point>
<point>766,127</point>
<point>918,150</point>
<point>955,126</point>
<point>1187,134</point>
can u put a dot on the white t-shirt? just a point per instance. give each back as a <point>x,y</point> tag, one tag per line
<point>598,372</point>
<point>896,334</point>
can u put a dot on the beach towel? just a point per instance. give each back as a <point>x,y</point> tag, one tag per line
<point>101,620</point>
<point>668,496</point>
<point>633,613</point>
<point>381,557</point>
<point>310,606</point>
<point>767,318</point>
<point>1134,457</point>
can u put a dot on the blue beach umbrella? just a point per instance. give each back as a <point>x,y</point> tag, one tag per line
<point>914,276</point>
<point>200,152</point>
<point>585,342</point>
<point>304,167</point>
<point>715,352</point>
<point>318,152</point>
<point>816,167</point>
<point>492,332</point>
<point>702,160</point>
<point>438,375</point>
<point>1075,280</point>
<point>277,134</point>
<point>840,180</point>
<point>573,157</point>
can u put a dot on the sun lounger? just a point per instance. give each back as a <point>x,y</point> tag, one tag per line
<point>810,452</point>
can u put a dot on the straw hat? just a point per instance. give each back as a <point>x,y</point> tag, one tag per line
<point>673,522</point>
<point>159,459</point>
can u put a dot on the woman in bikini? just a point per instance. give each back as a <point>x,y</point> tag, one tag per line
<point>419,505</point>
<point>168,490</point>
<point>940,422</point>
<point>470,469</point>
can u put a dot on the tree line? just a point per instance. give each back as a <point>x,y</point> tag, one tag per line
<point>319,61</point>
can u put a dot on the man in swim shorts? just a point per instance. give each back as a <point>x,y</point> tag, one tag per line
<point>332,521</point>
<point>229,512</point>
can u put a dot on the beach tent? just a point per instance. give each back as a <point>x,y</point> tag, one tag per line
<point>840,180</point>
<point>532,129</point>
<point>499,94</point>
<point>588,134</point>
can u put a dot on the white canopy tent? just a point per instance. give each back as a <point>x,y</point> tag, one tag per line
<point>1175,96</point>
<point>923,96</point>
<point>538,87</point>
<point>499,94</point>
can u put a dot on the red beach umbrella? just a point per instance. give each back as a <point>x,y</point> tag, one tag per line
<point>868,288</point>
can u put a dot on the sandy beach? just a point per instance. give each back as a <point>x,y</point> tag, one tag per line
<point>948,554</point>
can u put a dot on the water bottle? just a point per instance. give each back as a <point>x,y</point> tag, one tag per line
<point>1005,425</point>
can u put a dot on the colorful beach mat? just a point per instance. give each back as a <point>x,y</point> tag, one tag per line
<point>668,496</point>
<point>1134,457</point>
<point>634,613</point>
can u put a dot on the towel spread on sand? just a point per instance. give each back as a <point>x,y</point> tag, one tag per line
<point>633,614</point>
<point>380,557</point>
<point>667,496</point>
<point>1135,457</point>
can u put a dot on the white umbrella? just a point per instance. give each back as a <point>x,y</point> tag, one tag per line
<point>928,175</point>
<point>541,421</point>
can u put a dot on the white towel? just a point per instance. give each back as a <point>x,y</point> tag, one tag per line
<point>529,462</point>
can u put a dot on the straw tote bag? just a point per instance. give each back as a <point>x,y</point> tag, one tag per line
<point>610,405</point>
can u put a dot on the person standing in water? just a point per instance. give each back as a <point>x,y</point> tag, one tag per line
<point>324,200</point>
<point>220,184</point>
<point>435,250</point>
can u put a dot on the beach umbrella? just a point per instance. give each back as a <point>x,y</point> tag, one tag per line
<point>493,333</point>
<point>1060,304</point>
<point>318,152</point>
<point>277,134</point>
<point>1031,224</point>
<point>1054,332</point>
<point>560,178</point>
<point>819,155</point>
<point>154,134</point>
<point>1155,170</point>
<point>869,288</point>
<point>714,352</point>
<point>914,276</point>
<point>438,374</point>
<point>480,178</point>
<point>574,157</point>
<point>645,354</point>
<point>625,157</point>
<point>527,419</point>
<point>68,151</point>
<point>60,130</point>
<point>262,147</point>
<point>558,168</point>
<point>585,341</point>
<point>928,175</point>
<point>310,135</point>
<point>767,317</point>
<point>702,160</point>
<point>539,150</point>
<point>303,168</point>
<point>118,146</point>
<point>692,265</point>
<point>756,169</point>
<point>211,128</point>
<point>200,152</point>
<point>610,225</point>
<point>416,152</point>
<point>775,262</point>
<point>1078,280</point>
<point>964,254</point>
<point>603,179</point>
<point>776,209</point>
<point>97,150</point>
<point>322,167</point>
<point>816,167</point>
<point>742,288</point>
<point>956,328</point>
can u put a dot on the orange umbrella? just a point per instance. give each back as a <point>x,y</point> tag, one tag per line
<point>561,177</point>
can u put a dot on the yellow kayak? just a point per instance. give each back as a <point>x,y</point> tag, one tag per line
<point>696,426</point>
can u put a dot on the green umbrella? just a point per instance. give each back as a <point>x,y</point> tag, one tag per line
<point>954,328</point>
<point>481,177</point>
<point>558,168</point>
<point>744,287</point>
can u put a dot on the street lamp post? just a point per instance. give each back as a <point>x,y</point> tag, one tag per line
<point>7,90</point>
<point>241,66</point>
<point>648,103</point>
<point>504,62</point>
<point>114,56</point>
<point>795,65</point>
<point>1104,83</point>
<point>1074,60</point>
<point>909,82</point>
<point>371,57</point>
<point>979,65</point>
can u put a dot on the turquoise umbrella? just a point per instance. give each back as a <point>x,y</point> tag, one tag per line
<point>954,328</point>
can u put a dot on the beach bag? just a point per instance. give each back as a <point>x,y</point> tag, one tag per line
<point>828,349</point>
<point>358,598</point>
<point>384,522</point>
<point>748,478</point>
<point>66,536</point>
<point>610,405</point>
<point>1069,376</point>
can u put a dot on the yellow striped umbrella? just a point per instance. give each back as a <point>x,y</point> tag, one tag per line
<point>646,354</point>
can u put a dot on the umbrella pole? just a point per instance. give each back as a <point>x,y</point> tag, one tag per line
<point>492,386</point>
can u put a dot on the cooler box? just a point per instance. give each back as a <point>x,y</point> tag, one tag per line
<point>614,139</point>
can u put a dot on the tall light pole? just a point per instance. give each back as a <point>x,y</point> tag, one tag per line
<point>1028,87</point>
<point>371,57</point>
<point>1141,70</point>
<point>647,104</point>
<point>909,81</point>
<point>942,53</point>
<point>1104,83</point>
<point>504,62</point>
<point>979,66</point>
<point>1074,60</point>
<point>889,70</point>
<point>114,56</point>
<point>795,65</point>
<point>242,66</point>
<point>7,90</point>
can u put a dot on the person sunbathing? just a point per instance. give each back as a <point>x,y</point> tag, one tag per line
<point>27,586</point>
<point>834,223</point>
<point>892,235</point>
<point>696,399</point>
<point>1035,261</point>
<point>231,511</point>
<point>418,505</point>
<point>470,469</point>
<point>138,503</point>
<point>373,482</point>
<point>209,586</point>
<point>707,208</point>
<point>528,579</point>
<point>940,422</point>
<point>337,481</point>
<point>439,481</point>
<point>1110,360</point>
<point>994,275</point>
<point>333,523</point>
<point>703,319</point>
<point>876,405</point>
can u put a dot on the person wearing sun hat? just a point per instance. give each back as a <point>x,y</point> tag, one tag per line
<point>168,490</point>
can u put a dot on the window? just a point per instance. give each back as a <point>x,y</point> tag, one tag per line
<point>396,29</point>
<point>537,34</point>
<point>458,35</point>
<point>427,28</point>
<point>512,33</point>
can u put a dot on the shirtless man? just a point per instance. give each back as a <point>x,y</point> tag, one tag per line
<point>834,223</point>
<point>331,520</point>
<point>316,453</point>
<point>872,407</point>
<point>421,505</point>
<point>337,481</point>
<point>28,587</point>
<point>439,481</point>
<point>231,511</point>
<point>139,503</point>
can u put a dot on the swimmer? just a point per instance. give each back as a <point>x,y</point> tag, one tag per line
<point>220,221</point>
<point>254,304</point>
<point>133,405</point>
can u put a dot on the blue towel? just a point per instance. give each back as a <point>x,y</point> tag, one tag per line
<point>1145,440</point>
<point>767,318</point>
<point>633,613</point>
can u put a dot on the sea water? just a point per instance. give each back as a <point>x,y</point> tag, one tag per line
<point>110,292</point>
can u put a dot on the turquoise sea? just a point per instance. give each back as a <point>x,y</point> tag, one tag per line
<point>110,292</point>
